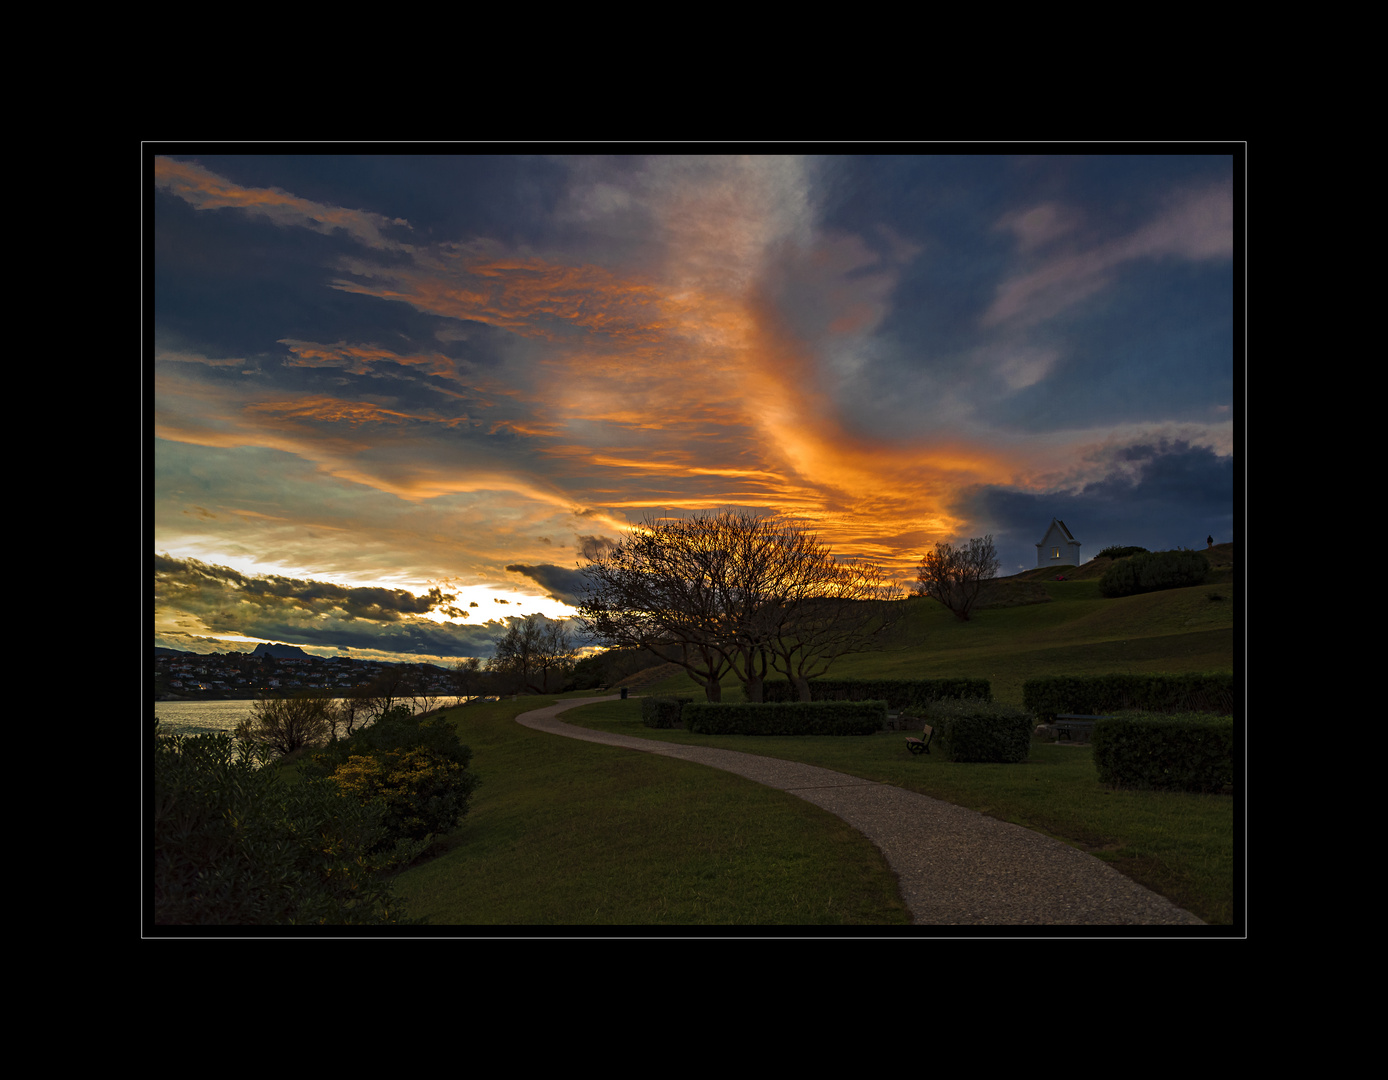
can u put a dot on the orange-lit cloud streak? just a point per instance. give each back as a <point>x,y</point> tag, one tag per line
<point>206,191</point>
<point>704,382</point>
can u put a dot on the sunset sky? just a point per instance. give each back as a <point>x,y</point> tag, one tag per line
<point>394,396</point>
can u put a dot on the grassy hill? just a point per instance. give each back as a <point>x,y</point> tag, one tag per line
<point>1073,631</point>
<point>1220,557</point>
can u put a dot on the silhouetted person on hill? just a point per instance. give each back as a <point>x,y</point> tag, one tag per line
<point>1209,541</point>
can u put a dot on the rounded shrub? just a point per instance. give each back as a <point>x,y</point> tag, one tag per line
<point>974,730</point>
<point>663,712</point>
<point>422,790</point>
<point>417,770</point>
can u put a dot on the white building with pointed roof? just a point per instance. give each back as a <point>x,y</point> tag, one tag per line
<point>1058,547</point>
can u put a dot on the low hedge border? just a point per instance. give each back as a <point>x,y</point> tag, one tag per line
<point>907,694</point>
<point>1092,695</point>
<point>786,718</point>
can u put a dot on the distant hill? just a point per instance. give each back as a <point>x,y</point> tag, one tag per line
<point>281,652</point>
<point>648,676</point>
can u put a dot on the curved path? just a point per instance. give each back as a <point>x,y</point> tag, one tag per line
<point>957,867</point>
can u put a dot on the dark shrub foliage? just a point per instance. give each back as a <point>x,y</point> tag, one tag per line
<point>911,694</point>
<point>1092,695</point>
<point>1186,752</point>
<point>663,712</point>
<point>982,730</point>
<point>235,846</point>
<point>396,729</point>
<point>1154,571</point>
<point>1116,552</point>
<point>417,768</point>
<point>786,718</point>
<point>423,791</point>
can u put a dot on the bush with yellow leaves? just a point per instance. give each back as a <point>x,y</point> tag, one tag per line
<point>422,790</point>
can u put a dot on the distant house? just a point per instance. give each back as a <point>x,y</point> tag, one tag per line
<point>1058,547</point>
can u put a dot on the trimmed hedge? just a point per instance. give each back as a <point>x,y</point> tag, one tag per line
<point>1149,751</point>
<point>786,718</point>
<point>1095,694</point>
<point>663,712</point>
<point>982,731</point>
<point>912,694</point>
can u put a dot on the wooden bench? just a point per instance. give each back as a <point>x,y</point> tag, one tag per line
<point>1066,723</point>
<point>920,746</point>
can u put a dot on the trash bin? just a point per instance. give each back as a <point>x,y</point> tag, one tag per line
<point>624,693</point>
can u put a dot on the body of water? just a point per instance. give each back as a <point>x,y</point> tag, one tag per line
<point>200,717</point>
<point>204,717</point>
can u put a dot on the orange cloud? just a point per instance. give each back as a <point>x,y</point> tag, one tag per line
<point>357,359</point>
<point>528,296</point>
<point>328,410</point>
<point>709,385</point>
<point>207,191</point>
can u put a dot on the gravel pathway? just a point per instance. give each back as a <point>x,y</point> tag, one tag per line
<point>957,867</point>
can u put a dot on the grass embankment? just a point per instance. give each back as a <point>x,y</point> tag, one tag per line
<point>571,833</point>
<point>1076,632</point>
<point>563,832</point>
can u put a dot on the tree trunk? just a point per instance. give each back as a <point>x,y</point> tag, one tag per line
<point>755,665</point>
<point>754,688</point>
<point>802,687</point>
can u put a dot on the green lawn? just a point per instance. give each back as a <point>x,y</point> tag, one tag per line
<point>1179,845</point>
<point>564,832</point>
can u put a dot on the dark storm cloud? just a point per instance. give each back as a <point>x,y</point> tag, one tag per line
<point>417,637</point>
<point>594,547</point>
<point>184,576</point>
<point>317,613</point>
<point>1156,495</point>
<point>563,585</point>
